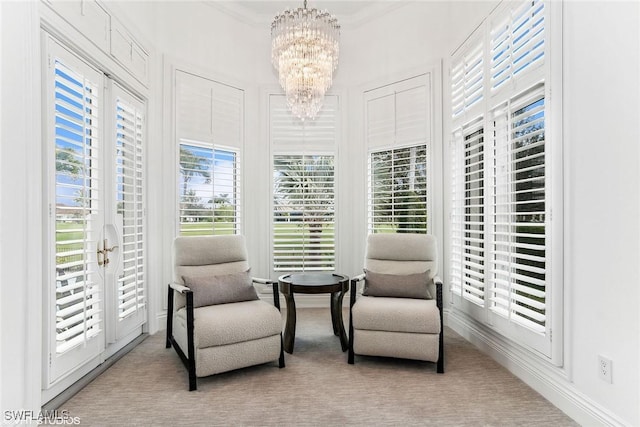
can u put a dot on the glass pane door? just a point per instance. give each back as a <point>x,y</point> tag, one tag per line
<point>76,213</point>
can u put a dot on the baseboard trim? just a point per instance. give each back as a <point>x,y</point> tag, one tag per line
<point>551,382</point>
<point>70,391</point>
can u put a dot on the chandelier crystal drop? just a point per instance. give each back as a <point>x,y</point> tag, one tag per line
<point>304,52</point>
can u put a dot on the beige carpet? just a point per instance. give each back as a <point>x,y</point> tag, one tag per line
<point>148,387</point>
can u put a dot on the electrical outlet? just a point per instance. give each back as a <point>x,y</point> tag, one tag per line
<point>604,369</point>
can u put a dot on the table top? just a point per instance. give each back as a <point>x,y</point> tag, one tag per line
<point>313,279</point>
<point>313,283</point>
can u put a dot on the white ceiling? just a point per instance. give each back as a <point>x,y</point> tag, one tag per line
<point>352,12</point>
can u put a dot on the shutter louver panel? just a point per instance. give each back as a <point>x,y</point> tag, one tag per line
<point>78,308</point>
<point>303,224</point>
<point>304,213</point>
<point>209,190</point>
<point>411,116</point>
<point>129,195</point>
<point>468,254</point>
<point>518,252</point>
<point>228,116</point>
<point>210,133</point>
<point>398,190</point>
<point>517,42</point>
<point>289,133</point>
<point>208,111</point>
<point>467,74</point>
<point>194,108</point>
<point>380,118</point>
<point>397,134</point>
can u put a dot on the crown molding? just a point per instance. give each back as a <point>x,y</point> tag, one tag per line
<point>369,11</point>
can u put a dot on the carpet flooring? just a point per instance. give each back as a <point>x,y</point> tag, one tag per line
<point>148,387</point>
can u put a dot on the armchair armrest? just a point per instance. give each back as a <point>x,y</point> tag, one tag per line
<point>358,278</point>
<point>274,285</point>
<point>262,281</point>
<point>179,288</point>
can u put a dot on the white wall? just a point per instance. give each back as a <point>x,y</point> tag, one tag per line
<point>601,119</point>
<point>20,219</point>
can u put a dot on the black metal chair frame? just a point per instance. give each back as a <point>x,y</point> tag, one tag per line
<point>189,359</point>
<point>352,301</point>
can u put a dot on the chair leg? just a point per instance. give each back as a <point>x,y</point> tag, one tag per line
<point>352,300</point>
<point>440,366</point>
<point>169,317</point>
<point>281,359</point>
<point>191,353</point>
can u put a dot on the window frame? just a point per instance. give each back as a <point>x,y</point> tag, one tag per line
<point>208,113</point>
<point>323,142</point>
<point>397,137</point>
<point>547,72</point>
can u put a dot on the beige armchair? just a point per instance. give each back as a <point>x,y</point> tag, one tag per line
<point>399,313</point>
<point>215,320</point>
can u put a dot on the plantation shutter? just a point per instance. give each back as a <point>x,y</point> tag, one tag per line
<point>131,299</point>
<point>209,190</point>
<point>467,218</point>
<point>517,42</point>
<point>398,190</point>
<point>398,114</point>
<point>303,187</point>
<point>210,135</point>
<point>467,78</point>
<point>78,300</point>
<point>519,210</point>
<point>501,188</point>
<point>397,129</point>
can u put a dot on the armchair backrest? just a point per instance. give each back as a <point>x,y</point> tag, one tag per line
<point>401,253</point>
<point>208,255</point>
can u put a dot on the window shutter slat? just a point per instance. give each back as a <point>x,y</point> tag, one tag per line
<point>304,213</point>
<point>129,177</point>
<point>467,267</point>
<point>517,43</point>
<point>518,261</point>
<point>209,190</point>
<point>78,302</point>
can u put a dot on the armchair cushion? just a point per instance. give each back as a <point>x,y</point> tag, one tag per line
<point>405,315</point>
<point>222,289</point>
<point>219,325</point>
<point>397,285</point>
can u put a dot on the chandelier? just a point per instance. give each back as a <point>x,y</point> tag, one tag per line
<point>304,52</point>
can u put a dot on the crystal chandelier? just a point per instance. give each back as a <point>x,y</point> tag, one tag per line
<point>304,52</point>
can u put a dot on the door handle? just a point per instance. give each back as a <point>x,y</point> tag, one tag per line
<point>103,254</point>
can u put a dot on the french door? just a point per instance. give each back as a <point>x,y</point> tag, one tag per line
<point>94,139</point>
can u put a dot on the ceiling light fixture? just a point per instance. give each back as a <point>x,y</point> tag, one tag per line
<point>304,52</point>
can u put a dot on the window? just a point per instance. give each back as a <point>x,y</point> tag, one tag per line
<point>303,213</point>
<point>208,190</point>
<point>518,251</point>
<point>209,130</point>
<point>398,190</point>
<point>468,220</point>
<point>501,191</point>
<point>304,187</point>
<point>398,134</point>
